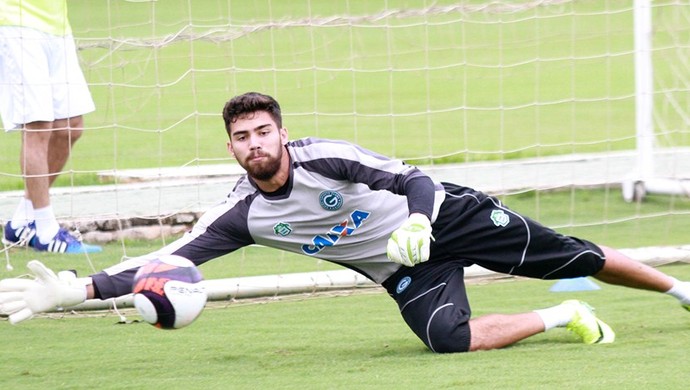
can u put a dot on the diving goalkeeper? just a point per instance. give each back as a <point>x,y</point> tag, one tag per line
<point>382,218</point>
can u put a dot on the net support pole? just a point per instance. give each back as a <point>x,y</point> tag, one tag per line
<point>343,280</point>
<point>644,89</point>
<point>633,186</point>
<point>643,179</point>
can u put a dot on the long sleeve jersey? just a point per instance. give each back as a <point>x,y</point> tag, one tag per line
<point>341,203</point>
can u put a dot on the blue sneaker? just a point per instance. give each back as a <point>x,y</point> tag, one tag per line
<point>20,236</point>
<point>63,242</point>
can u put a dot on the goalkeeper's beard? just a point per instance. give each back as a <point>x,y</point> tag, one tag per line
<point>264,170</point>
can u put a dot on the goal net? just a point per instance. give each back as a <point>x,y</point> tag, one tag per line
<point>534,101</point>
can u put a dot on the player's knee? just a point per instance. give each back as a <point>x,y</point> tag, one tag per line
<point>75,134</point>
<point>65,137</point>
<point>448,337</point>
<point>69,129</point>
<point>75,123</point>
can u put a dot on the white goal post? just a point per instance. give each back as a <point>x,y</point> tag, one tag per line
<point>644,179</point>
<point>230,289</point>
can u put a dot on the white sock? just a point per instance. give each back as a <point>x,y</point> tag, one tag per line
<point>23,214</point>
<point>46,224</point>
<point>556,316</point>
<point>680,291</point>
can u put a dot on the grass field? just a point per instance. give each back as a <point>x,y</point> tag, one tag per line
<point>353,341</point>
<point>447,86</point>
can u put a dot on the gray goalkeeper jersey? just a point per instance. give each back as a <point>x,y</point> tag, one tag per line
<point>341,203</point>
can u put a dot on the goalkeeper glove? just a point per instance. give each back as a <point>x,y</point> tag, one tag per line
<point>410,244</point>
<point>22,298</point>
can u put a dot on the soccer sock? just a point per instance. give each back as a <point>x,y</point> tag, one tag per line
<point>23,214</point>
<point>46,224</point>
<point>556,316</point>
<point>680,291</point>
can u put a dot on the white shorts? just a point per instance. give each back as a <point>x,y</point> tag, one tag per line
<point>40,78</point>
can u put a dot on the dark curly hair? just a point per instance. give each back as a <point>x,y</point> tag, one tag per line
<point>246,104</point>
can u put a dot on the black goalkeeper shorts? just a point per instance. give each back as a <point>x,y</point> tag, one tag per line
<point>479,229</point>
<point>474,228</point>
<point>433,303</point>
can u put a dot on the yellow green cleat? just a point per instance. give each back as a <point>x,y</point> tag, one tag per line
<point>586,325</point>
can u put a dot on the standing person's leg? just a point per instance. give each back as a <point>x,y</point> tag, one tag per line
<point>35,167</point>
<point>33,163</point>
<point>65,134</point>
<point>46,150</point>
<point>26,100</point>
<point>44,154</point>
<point>49,235</point>
<point>55,88</point>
